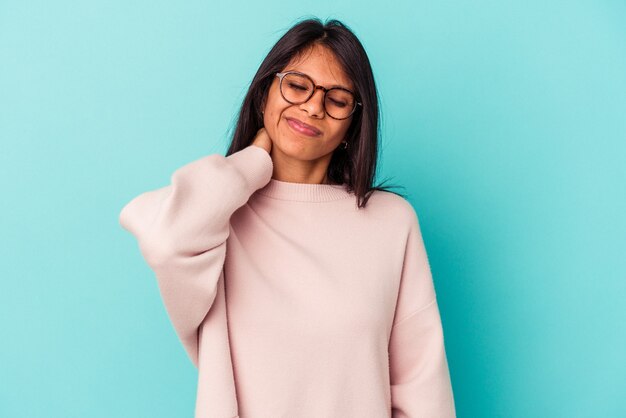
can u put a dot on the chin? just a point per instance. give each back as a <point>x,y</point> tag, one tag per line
<point>297,149</point>
<point>292,148</point>
<point>292,140</point>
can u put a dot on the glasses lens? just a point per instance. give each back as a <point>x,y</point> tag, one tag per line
<point>296,88</point>
<point>339,103</point>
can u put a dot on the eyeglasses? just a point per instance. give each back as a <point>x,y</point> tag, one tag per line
<point>297,88</point>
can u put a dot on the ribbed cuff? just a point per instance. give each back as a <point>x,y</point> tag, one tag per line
<point>255,164</point>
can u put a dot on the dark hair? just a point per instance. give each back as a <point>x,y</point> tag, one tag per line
<point>356,165</point>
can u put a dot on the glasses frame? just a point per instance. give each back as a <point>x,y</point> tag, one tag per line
<point>282,75</point>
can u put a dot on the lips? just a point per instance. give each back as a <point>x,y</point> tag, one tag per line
<point>302,127</point>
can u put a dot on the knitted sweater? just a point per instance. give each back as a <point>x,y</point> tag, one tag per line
<point>290,301</point>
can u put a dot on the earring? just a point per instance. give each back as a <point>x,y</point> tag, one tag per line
<point>345,144</point>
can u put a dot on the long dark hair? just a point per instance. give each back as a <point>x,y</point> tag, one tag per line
<point>356,165</point>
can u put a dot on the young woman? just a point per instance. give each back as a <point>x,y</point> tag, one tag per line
<point>296,287</point>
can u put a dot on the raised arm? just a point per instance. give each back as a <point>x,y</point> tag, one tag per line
<point>419,375</point>
<point>182,230</point>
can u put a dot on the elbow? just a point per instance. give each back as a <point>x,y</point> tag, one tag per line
<point>157,254</point>
<point>123,218</point>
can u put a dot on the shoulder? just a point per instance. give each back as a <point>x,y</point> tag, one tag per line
<point>393,207</point>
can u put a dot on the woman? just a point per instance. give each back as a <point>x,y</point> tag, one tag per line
<point>297,288</point>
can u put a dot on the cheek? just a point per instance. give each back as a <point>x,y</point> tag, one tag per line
<point>273,124</point>
<point>339,133</point>
<point>271,119</point>
<point>273,111</point>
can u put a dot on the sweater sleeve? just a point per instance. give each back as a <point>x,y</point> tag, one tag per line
<point>419,375</point>
<point>182,230</point>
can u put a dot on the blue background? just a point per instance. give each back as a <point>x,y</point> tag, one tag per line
<point>505,121</point>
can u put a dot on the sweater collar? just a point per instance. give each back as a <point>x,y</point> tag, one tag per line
<point>304,192</point>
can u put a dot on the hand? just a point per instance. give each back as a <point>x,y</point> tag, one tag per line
<point>263,140</point>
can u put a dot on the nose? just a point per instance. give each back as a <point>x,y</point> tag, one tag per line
<point>315,105</point>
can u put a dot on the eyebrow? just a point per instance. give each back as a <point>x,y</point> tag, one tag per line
<point>331,87</point>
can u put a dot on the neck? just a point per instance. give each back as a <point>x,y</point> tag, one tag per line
<point>292,170</point>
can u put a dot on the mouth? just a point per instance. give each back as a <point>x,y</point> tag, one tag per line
<point>302,128</point>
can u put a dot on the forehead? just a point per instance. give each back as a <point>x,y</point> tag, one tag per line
<point>322,66</point>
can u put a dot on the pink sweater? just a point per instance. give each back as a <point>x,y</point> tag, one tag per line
<point>290,301</point>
